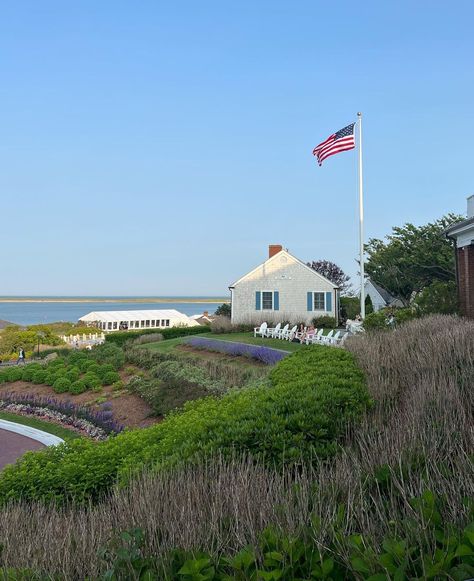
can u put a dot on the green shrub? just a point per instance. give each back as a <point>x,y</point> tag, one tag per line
<point>58,362</point>
<point>109,353</point>
<point>73,374</point>
<point>78,387</point>
<point>75,357</point>
<point>324,322</point>
<point>378,320</point>
<point>94,368</point>
<point>302,417</point>
<point>91,380</point>
<point>183,372</point>
<point>350,307</point>
<point>165,396</point>
<point>39,376</point>
<point>118,385</point>
<point>85,364</point>
<point>150,338</point>
<point>61,385</point>
<point>104,369</point>
<point>110,377</point>
<point>14,374</point>
<point>28,373</point>
<point>439,297</point>
<point>122,337</point>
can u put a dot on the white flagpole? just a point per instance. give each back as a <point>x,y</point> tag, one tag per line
<point>361,223</point>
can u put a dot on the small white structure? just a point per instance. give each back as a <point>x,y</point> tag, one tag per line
<point>380,297</point>
<point>133,320</point>
<point>283,288</point>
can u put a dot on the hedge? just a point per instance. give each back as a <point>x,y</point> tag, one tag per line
<point>122,337</point>
<point>302,417</point>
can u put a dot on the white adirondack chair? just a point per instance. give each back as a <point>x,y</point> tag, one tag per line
<point>316,337</point>
<point>335,339</point>
<point>310,335</point>
<point>262,330</point>
<point>273,331</point>
<point>327,338</point>
<point>290,335</point>
<point>282,332</point>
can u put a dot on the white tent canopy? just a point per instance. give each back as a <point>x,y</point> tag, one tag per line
<point>124,320</point>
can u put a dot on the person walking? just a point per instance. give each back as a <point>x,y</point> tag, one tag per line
<point>21,357</point>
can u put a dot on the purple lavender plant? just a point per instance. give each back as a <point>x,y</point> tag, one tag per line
<point>102,419</point>
<point>266,355</point>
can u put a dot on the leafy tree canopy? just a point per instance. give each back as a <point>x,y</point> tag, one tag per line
<point>334,273</point>
<point>412,257</point>
<point>224,310</point>
<point>14,337</point>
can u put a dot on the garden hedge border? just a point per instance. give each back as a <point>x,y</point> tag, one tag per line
<point>122,337</point>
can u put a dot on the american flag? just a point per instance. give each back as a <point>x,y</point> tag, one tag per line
<point>342,140</point>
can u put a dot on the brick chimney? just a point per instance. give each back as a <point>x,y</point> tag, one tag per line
<point>206,314</point>
<point>274,249</point>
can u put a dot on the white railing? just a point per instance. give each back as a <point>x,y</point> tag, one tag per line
<point>83,339</point>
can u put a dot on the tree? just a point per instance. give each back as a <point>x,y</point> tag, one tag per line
<point>333,273</point>
<point>412,257</point>
<point>438,297</point>
<point>224,310</point>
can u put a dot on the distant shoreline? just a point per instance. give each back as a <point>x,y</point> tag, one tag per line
<point>114,300</point>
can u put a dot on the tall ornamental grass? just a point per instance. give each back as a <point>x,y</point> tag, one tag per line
<point>418,436</point>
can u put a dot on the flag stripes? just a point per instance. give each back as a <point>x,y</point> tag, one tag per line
<point>342,140</point>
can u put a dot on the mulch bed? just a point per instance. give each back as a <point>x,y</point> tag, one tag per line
<point>128,408</point>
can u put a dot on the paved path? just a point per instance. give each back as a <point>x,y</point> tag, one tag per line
<point>13,445</point>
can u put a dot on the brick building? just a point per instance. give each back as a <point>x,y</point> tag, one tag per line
<point>463,235</point>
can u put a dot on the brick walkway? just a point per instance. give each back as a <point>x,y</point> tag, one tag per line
<point>13,445</point>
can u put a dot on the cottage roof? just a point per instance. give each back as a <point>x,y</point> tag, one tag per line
<point>279,254</point>
<point>386,296</point>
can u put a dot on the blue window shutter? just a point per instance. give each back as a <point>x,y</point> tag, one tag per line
<point>309,301</point>
<point>258,301</point>
<point>276,301</point>
<point>329,301</point>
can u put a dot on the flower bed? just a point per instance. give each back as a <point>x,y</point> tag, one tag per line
<point>97,425</point>
<point>264,354</point>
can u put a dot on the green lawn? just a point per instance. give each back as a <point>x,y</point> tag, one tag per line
<point>54,429</point>
<point>165,346</point>
<point>249,338</point>
<point>169,344</point>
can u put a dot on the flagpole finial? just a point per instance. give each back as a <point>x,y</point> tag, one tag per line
<point>359,114</point>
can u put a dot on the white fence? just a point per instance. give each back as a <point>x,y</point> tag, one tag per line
<point>84,339</point>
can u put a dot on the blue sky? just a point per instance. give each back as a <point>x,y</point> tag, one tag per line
<point>152,148</point>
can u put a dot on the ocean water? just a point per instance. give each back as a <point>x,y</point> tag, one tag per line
<point>25,313</point>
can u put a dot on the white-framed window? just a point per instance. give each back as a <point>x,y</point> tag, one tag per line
<point>167,322</point>
<point>267,300</point>
<point>319,301</point>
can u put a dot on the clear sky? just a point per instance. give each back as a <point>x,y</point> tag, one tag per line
<point>157,148</point>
